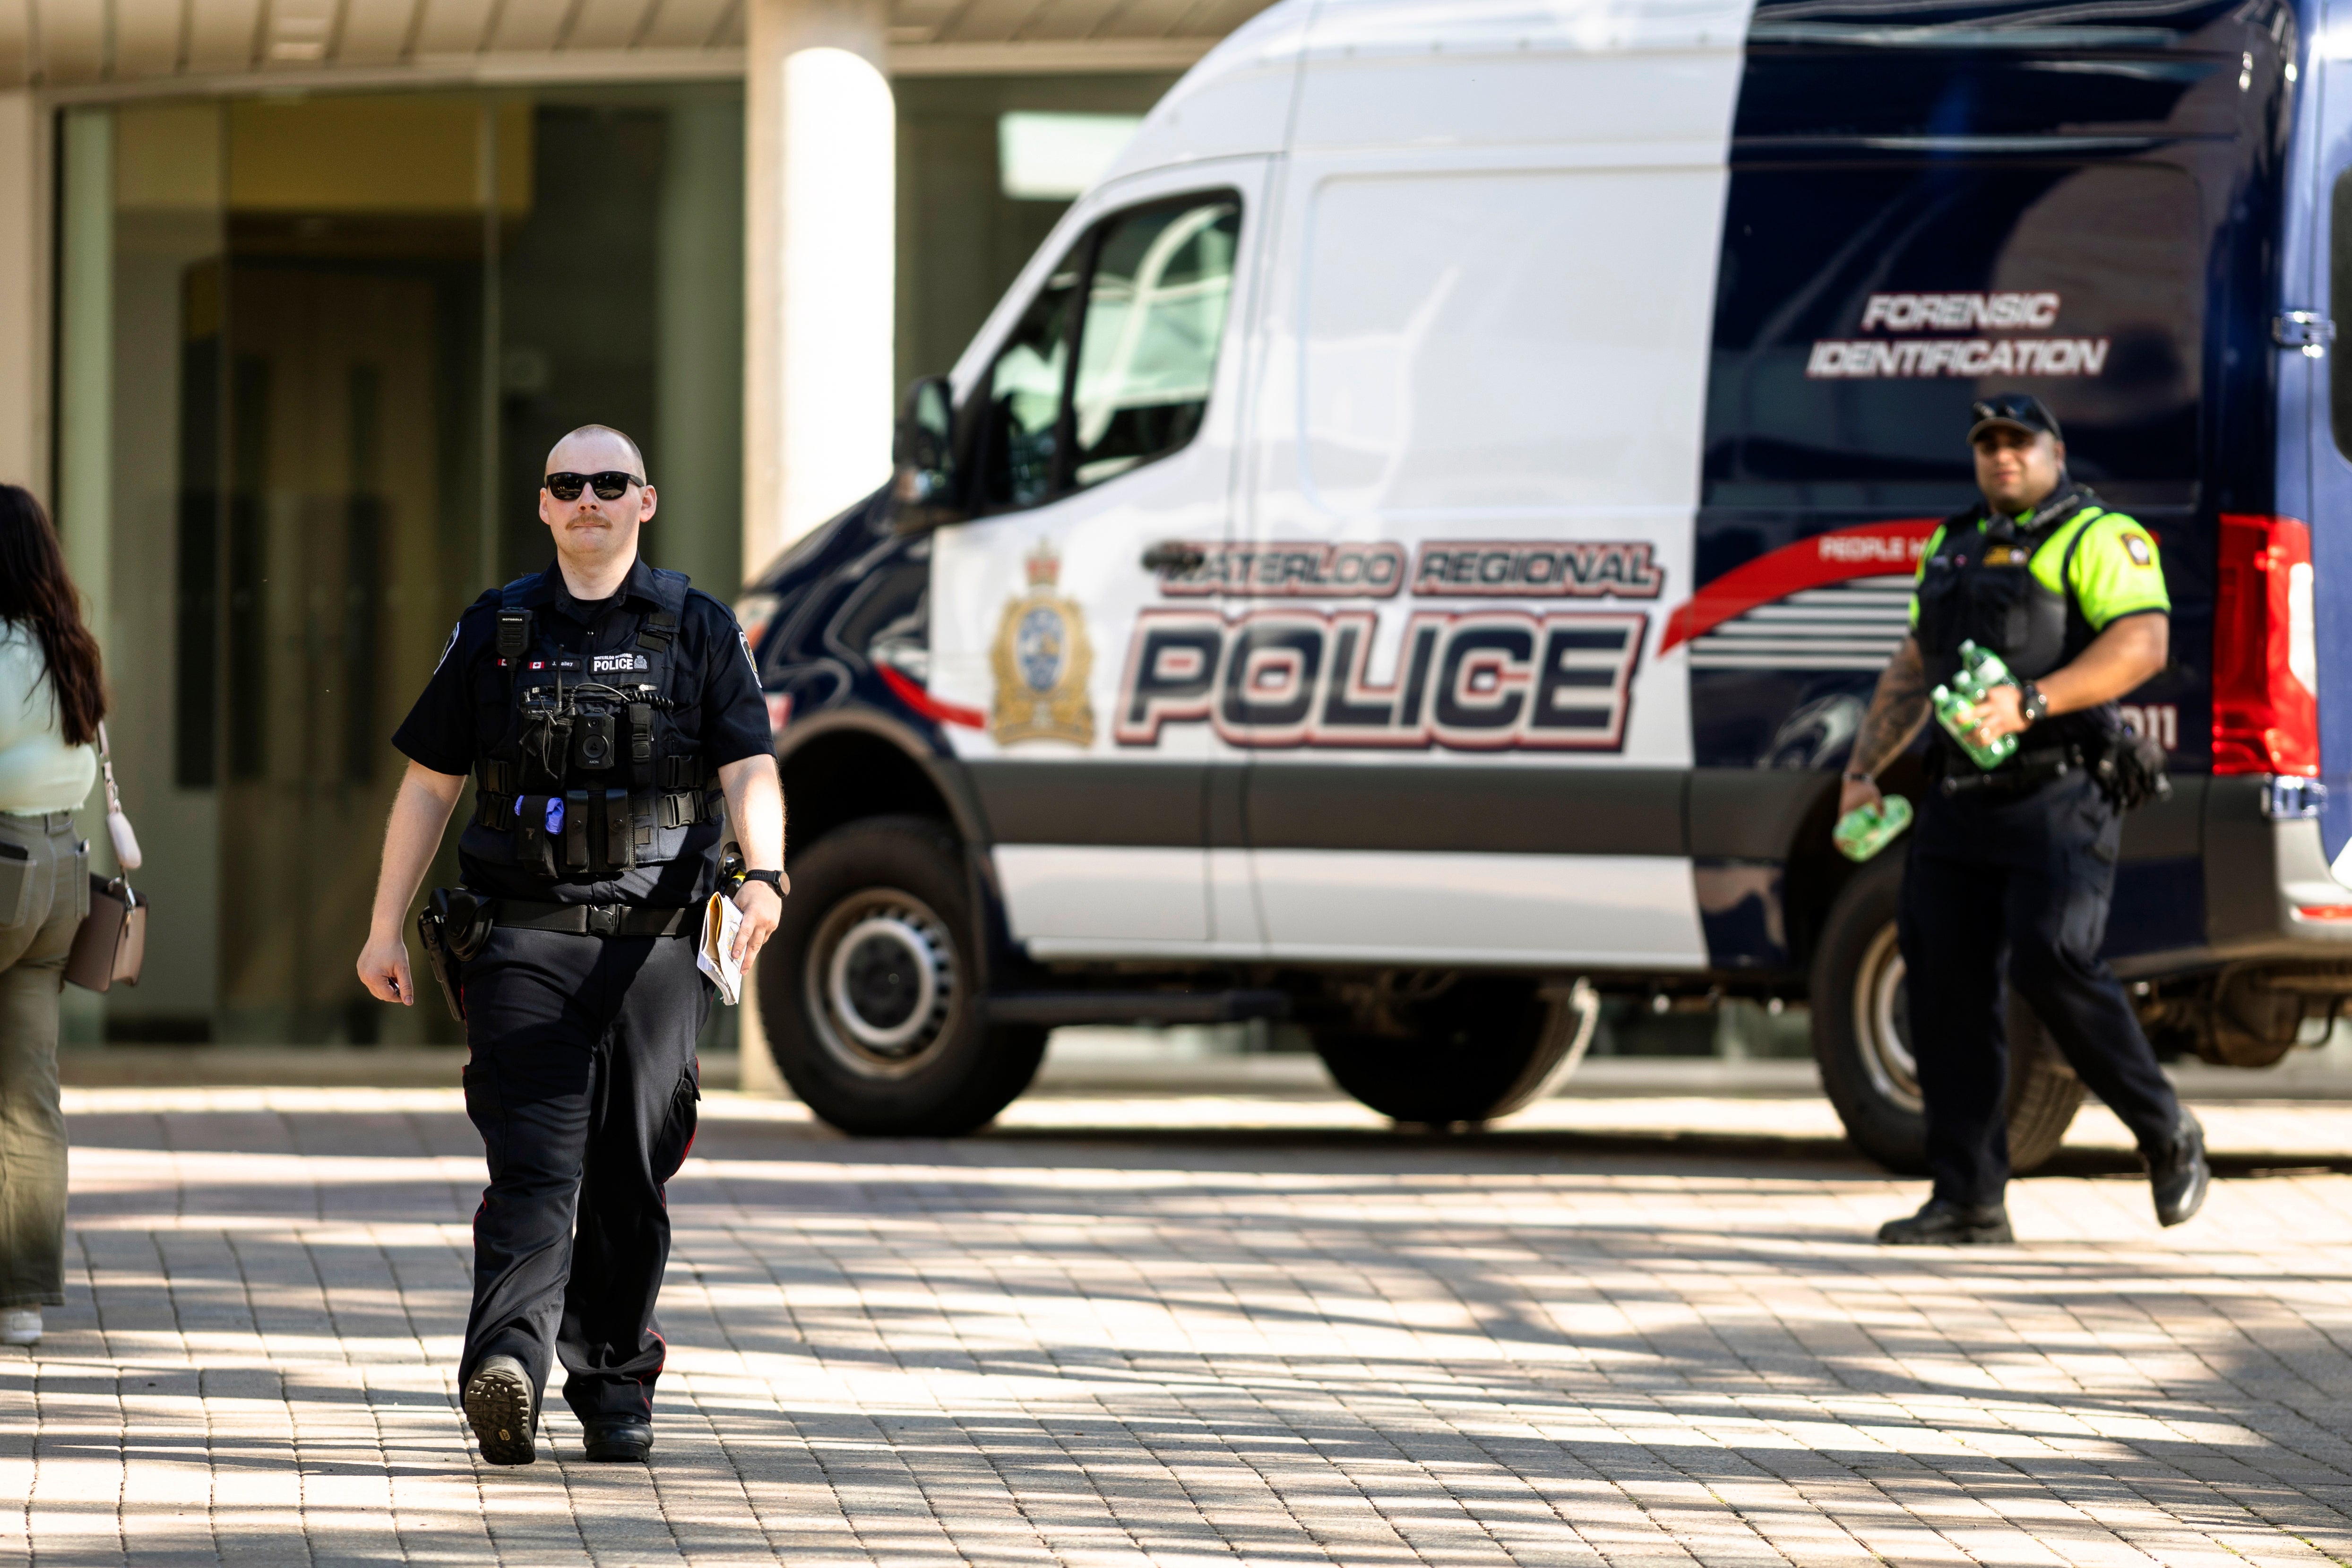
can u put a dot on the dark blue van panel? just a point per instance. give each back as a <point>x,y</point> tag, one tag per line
<point>1929,206</point>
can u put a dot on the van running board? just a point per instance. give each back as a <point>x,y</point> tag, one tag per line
<point>1054,1007</point>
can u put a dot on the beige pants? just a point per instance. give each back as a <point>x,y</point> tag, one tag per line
<point>44,894</point>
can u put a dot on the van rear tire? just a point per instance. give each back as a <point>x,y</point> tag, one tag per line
<point>1481,1048</point>
<point>1862,1040</point>
<point>870,993</point>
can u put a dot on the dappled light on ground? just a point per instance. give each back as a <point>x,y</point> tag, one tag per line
<point>1284,1335</point>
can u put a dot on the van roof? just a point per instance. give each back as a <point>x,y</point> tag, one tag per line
<point>1239,98</point>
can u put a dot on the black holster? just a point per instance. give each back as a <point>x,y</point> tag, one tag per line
<point>2130,770</point>
<point>453,925</point>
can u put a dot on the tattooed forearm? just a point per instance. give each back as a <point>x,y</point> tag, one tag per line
<point>1898,709</point>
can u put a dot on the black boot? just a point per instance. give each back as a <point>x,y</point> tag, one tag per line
<point>2177,1173</point>
<point>498,1404</point>
<point>1943,1223</point>
<point>621,1439</point>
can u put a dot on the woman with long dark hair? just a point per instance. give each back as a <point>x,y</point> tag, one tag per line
<point>52,696</point>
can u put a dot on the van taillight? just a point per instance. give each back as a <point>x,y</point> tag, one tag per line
<point>2265,663</point>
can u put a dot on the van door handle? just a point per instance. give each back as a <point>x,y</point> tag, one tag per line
<point>2305,329</point>
<point>1174,556</point>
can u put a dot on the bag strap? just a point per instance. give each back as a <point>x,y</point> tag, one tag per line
<point>118,824</point>
<point>105,766</point>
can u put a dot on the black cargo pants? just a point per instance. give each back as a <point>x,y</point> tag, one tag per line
<point>582,1082</point>
<point>2033,874</point>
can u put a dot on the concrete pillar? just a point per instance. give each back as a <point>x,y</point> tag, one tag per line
<point>24,179</point>
<point>819,261</point>
<point>819,290</point>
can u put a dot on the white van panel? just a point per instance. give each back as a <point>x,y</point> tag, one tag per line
<point>1235,102</point>
<point>1491,73</point>
<point>1634,909</point>
<point>1095,892</point>
<point>1507,340</point>
<point>1492,342</point>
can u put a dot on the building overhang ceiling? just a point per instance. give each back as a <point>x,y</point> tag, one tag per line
<point>96,49</point>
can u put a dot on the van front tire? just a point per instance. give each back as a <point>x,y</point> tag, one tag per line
<point>871,993</point>
<point>1861,1040</point>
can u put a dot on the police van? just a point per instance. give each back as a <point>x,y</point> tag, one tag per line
<point>1411,551</point>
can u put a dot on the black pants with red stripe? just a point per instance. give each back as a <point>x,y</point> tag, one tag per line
<point>582,1082</point>
<point>2020,883</point>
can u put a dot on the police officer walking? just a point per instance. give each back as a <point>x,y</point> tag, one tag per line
<point>2071,596</point>
<point>603,707</point>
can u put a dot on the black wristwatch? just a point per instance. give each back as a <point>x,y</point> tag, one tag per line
<point>1853,776</point>
<point>2032,706</point>
<point>773,879</point>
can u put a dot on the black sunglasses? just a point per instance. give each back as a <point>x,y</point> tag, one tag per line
<point>610,485</point>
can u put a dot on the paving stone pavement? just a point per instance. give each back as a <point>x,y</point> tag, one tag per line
<point>1126,1330</point>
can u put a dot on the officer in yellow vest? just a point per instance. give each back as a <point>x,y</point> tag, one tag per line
<point>2072,598</point>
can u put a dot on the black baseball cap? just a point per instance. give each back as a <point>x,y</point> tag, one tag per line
<point>2019,410</point>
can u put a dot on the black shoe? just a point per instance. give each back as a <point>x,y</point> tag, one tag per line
<point>1942,1223</point>
<point>619,1439</point>
<point>498,1404</point>
<point>2177,1175</point>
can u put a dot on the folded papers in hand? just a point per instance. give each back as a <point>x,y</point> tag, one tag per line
<point>716,958</point>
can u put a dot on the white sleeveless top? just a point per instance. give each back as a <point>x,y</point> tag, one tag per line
<point>38,771</point>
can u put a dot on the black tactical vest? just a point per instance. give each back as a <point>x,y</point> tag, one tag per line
<point>1980,587</point>
<point>591,779</point>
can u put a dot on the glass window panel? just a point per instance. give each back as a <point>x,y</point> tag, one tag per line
<point>1155,313</point>
<point>1025,395</point>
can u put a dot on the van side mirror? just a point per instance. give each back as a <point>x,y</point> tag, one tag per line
<point>924,489</point>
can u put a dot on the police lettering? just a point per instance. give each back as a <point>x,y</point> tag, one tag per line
<point>1487,680</point>
<point>1960,312</point>
<point>1370,571</point>
<point>1519,570</point>
<point>1871,360</point>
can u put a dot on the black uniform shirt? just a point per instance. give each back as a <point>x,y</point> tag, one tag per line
<point>466,705</point>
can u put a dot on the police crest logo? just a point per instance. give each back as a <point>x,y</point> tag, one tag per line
<point>1041,659</point>
<point>2135,545</point>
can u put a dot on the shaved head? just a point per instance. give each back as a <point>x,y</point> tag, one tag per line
<point>600,435</point>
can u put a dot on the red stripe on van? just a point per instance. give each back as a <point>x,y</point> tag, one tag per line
<point>1868,550</point>
<point>928,706</point>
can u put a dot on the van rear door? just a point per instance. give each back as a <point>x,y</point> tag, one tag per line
<point>2314,631</point>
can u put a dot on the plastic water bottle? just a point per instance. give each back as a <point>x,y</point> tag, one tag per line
<point>1956,705</point>
<point>1867,829</point>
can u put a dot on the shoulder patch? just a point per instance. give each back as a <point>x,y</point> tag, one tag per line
<point>2136,546</point>
<point>452,643</point>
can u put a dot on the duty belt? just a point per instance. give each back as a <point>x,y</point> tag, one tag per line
<point>595,920</point>
<point>2029,770</point>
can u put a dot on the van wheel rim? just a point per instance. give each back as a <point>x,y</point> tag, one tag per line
<point>881,983</point>
<point>1882,1025</point>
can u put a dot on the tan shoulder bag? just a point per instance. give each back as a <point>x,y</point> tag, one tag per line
<point>111,942</point>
